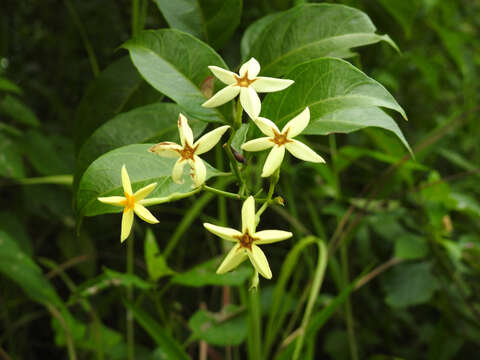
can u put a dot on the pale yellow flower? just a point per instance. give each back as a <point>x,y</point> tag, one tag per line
<point>281,140</point>
<point>132,203</point>
<point>188,152</point>
<point>247,241</point>
<point>247,84</point>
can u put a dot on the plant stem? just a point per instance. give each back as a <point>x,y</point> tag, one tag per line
<point>237,122</point>
<point>135,16</point>
<point>231,195</point>
<point>316,285</point>
<point>130,327</point>
<point>54,179</point>
<point>68,335</point>
<point>255,324</point>
<point>273,181</point>
<point>83,34</point>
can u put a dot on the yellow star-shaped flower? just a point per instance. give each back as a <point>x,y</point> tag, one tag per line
<point>132,203</point>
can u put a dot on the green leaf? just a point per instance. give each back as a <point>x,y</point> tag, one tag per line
<point>44,154</point>
<point>146,124</point>
<point>212,21</point>
<point>11,225</point>
<point>205,274</point>
<point>172,349</point>
<point>240,137</point>
<point>403,11</point>
<point>18,111</point>
<point>21,269</point>
<point>409,246</point>
<point>11,163</point>
<point>102,178</point>
<point>7,85</point>
<point>410,284</point>
<point>228,327</point>
<point>307,32</point>
<point>254,31</point>
<point>111,278</point>
<point>341,98</point>
<point>176,64</point>
<point>156,264</point>
<point>106,96</point>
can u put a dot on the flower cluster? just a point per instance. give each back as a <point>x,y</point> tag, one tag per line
<point>247,84</point>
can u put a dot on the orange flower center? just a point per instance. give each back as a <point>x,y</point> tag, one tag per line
<point>129,202</point>
<point>187,152</point>
<point>280,138</point>
<point>244,81</point>
<point>246,240</point>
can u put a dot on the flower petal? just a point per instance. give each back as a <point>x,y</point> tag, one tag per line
<point>258,144</point>
<point>143,213</point>
<point>253,68</point>
<point>127,222</point>
<point>274,160</point>
<point>209,140</point>
<point>113,200</point>
<point>250,102</point>
<point>186,135</point>
<point>259,261</point>
<point>266,126</point>
<point>144,192</point>
<point>166,149</point>
<point>225,233</point>
<point>248,215</point>
<point>177,171</point>
<point>222,96</point>
<point>225,76</point>
<point>297,124</point>
<point>269,84</point>
<point>271,236</point>
<point>199,171</point>
<point>127,186</point>
<point>303,152</point>
<point>234,258</point>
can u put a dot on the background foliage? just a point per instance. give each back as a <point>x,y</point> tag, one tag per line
<point>403,234</point>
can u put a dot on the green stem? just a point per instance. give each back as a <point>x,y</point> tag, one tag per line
<point>348,306</point>
<point>273,182</point>
<point>130,325</point>
<point>135,16</point>
<point>68,335</point>
<point>232,195</point>
<point>255,324</point>
<point>317,283</point>
<point>237,122</point>
<point>174,197</point>
<point>83,34</point>
<point>54,179</point>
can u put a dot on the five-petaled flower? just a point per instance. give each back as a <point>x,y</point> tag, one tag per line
<point>247,241</point>
<point>281,140</point>
<point>248,84</point>
<point>188,152</point>
<point>132,203</point>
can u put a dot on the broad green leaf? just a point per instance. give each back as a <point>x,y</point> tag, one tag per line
<point>310,31</point>
<point>11,162</point>
<point>410,284</point>
<point>102,178</point>
<point>151,123</point>
<point>156,264</point>
<point>254,31</point>
<point>205,274</point>
<point>341,98</point>
<point>18,111</point>
<point>409,246</point>
<point>44,153</point>
<point>228,327</point>
<point>111,278</point>
<point>22,270</point>
<point>7,85</point>
<point>212,21</point>
<point>240,137</point>
<point>176,64</point>
<point>170,347</point>
<point>106,96</point>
